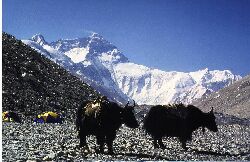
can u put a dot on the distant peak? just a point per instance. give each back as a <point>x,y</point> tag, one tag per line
<point>38,38</point>
<point>205,70</point>
<point>96,35</point>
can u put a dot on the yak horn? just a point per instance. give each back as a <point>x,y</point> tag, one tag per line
<point>212,110</point>
<point>127,104</point>
<point>134,103</point>
<point>203,130</point>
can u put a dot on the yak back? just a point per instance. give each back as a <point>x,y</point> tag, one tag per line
<point>99,116</point>
<point>178,111</point>
<point>111,116</point>
<point>93,109</point>
<point>170,120</point>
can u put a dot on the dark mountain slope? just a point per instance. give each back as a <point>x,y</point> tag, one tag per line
<point>232,100</point>
<point>33,83</point>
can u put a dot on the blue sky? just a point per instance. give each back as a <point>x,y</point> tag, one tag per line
<point>180,35</point>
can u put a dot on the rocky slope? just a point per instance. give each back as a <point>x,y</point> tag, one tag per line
<point>232,100</point>
<point>53,142</point>
<point>32,83</point>
<point>102,65</point>
<point>59,142</point>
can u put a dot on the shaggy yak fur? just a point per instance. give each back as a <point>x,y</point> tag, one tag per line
<point>103,118</point>
<point>177,121</point>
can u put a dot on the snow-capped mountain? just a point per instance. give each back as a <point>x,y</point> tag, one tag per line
<point>153,86</point>
<point>91,59</point>
<point>103,66</point>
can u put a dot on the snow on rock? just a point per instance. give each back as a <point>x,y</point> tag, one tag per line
<point>153,86</point>
<point>89,58</point>
<point>39,39</point>
<point>103,66</point>
<point>77,54</point>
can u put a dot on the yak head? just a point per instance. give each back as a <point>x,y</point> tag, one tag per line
<point>128,116</point>
<point>210,122</point>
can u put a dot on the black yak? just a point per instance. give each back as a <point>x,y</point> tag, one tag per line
<point>177,121</point>
<point>103,118</point>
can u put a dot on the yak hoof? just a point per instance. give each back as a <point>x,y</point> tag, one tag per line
<point>163,147</point>
<point>85,147</point>
<point>100,151</point>
<point>111,152</point>
<point>86,150</point>
<point>185,148</point>
<point>82,145</point>
<point>156,146</point>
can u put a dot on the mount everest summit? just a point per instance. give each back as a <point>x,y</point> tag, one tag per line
<point>100,64</point>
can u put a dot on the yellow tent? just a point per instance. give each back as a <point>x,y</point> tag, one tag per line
<point>46,114</point>
<point>9,116</point>
<point>48,117</point>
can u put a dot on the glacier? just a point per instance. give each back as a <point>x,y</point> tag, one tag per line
<point>103,66</point>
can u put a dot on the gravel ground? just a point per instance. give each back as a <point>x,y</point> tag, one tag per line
<point>59,142</point>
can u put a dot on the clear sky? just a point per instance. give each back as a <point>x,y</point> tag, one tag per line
<point>180,35</point>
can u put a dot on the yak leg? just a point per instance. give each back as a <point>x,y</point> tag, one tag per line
<point>82,132</point>
<point>155,143</point>
<point>183,143</point>
<point>161,143</point>
<point>109,139</point>
<point>100,142</point>
<point>82,138</point>
<point>158,142</point>
<point>83,141</point>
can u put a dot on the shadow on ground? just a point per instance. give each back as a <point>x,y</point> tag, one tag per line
<point>219,154</point>
<point>141,155</point>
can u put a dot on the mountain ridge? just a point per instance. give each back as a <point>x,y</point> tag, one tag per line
<point>232,100</point>
<point>103,66</point>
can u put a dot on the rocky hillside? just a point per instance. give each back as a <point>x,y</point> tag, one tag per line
<point>33,83</point>
<point>232,100</point>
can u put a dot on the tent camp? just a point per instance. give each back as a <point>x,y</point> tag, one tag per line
<point>48,117</point>
<point>9,116</point>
